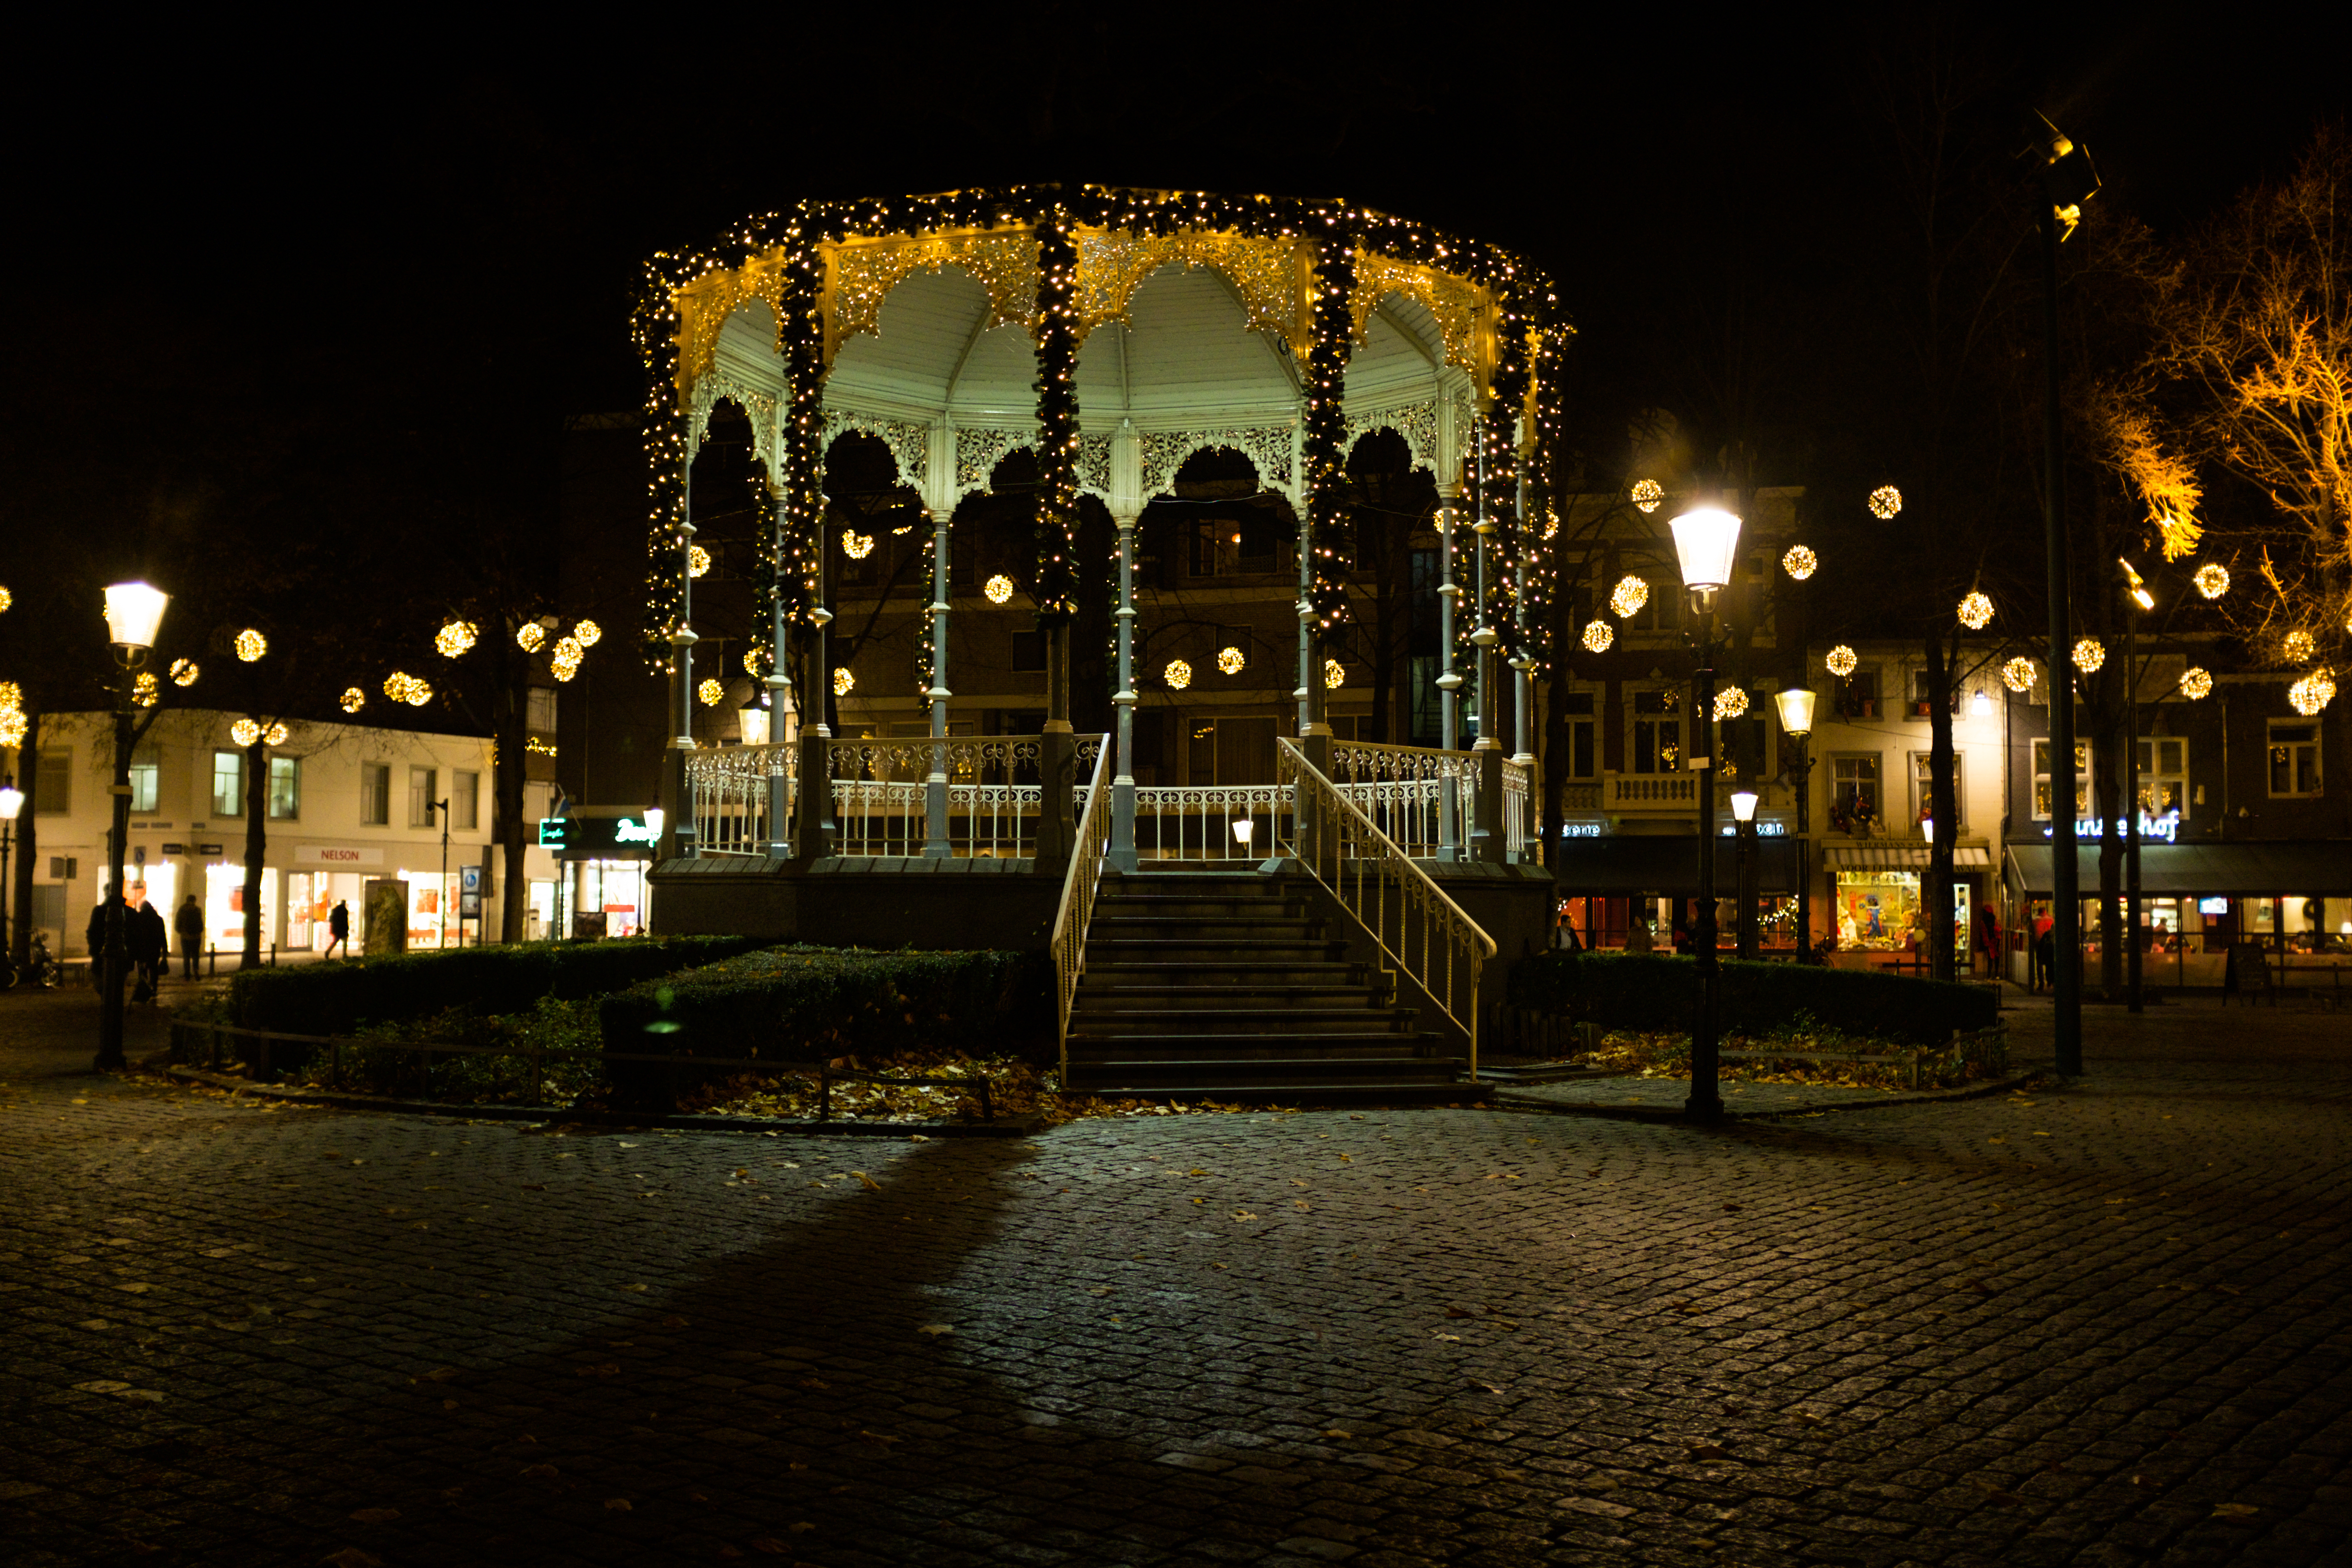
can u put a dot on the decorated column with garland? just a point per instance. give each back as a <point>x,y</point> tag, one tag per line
<point>1057,339</point>
<point>800,519</point>
<point>1323,423</point>
<point>1125,510</point>
<point>938,506</point>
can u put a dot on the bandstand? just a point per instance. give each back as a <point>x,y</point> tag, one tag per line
<point>1113,335</point>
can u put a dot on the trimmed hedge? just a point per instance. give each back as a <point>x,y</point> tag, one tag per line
<point>336,998</point>
<point>812,1003</point>
<point>1656,994</point>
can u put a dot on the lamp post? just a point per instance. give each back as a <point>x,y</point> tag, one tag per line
<point>1706,542</point>
<point>1796,705</point>
<point>133,611</point>
<point>1743,823</point>
<point>2068,181</point>
<point>2142,602</point>
<point>12,800</point>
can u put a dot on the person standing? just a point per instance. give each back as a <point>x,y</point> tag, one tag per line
<point>190,924</point>
<point>149,943</point>
<point>1988,937</point>
<point>339,929</point>
<point>94,940</point>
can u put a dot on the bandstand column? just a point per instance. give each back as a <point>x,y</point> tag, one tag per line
<point>779,686</point>
<point>1127,510</point>
<point>678,796</point>
<point>1486,818</point>
<point>1449,718</point>
<point>936,843</point>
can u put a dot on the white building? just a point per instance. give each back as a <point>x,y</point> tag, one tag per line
<point>346,805</point>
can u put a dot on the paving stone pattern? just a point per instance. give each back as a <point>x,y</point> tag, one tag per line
<point>2102,1325</point>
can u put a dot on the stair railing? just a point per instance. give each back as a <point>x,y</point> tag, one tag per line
<point>1077,906</point>
<point>1421,930</point>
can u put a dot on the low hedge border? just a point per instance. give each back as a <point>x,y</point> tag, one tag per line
<point>1656,994</point>
<point>337,998</point>
<point>805,1004</point>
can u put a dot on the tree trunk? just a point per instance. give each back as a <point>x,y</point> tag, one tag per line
<point>1093,672</point>
<point>1944,808</point>
<point>1555,762</point>
<point>256,840</point>
<point>2107,794</point>
<point>511,742</point>
<point>28,845</point>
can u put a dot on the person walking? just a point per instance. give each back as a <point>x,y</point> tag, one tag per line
<point>94,941</point>
<point>2045,954</point>
<point>190,923</point>
<point>339,929</point>
<point>149,943</point>
<point>1988,937</point>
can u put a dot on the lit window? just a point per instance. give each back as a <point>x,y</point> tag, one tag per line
<point>1855,799</point>
<point>2294,759</point>
<point>2164,775</point>
<point>1657,732</point>
<point>2041,780</point>
<point>229,784</point>
<point>146,779</point>
<point>285,789</point>
<point>422,797</point>
<point>376,794</point>
<point>1922,785</point>
<point>465,801</point>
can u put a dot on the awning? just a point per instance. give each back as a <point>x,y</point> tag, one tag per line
<point>1667,864</point>
<point>1895,857</point>
<point>2282,869</point>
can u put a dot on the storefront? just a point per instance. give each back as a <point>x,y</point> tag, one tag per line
<point>1608,883</point>
<point>2294,897</point>
<point>1876,892</point>
<point>605,853</point>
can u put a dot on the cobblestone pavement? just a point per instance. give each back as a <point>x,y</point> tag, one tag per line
<point>2100,1325</point>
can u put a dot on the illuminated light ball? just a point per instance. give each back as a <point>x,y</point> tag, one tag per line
<point>2196,682</point>
<point>755,661</point>
<point>855,545</point>
<point>7,601</point>
<point>455,638</point>
<point>245,731</point>
<point>2313,692</point>
<point>1629,595</point>
<point>998,588</point>
<point>1231,660</point>
<point>564,660</point>
<point>12,696</point>
<point>697,561</point>
<point>277,735</point>
<point>710,692</point>
<point>1976,611</point>
<point>251,645</point>
<point>2298,646</point>
<point>143,691</point>
<point>1842,661</point>
<point>1599,636</point>
<point>354,700</point>
<point>185,672</point>
<point>2018,674</point>
<point>1800,563</point>
<point>1334,675</point>
<point>530,636</point>
<point>1885,502</point>
<point>403,687</point>
<point>844,683</point>
<point>1177,675</point>
<point>1731,702</point>
<point>420,692</point>
<point>586,633</point>
<point>1647,495</point>
<point>14,726</point>
<point>2089,654</point>
<point>2212,580</point>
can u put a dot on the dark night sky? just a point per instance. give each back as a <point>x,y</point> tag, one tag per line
<point>416,206</point>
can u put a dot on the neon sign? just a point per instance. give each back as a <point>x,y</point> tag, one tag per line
<point>2165,828</point>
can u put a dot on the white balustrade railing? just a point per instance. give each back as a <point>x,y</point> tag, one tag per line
<point>732,791</point>
<point>1204,822</point>
<point>1076,910</point>
<point>1423,800</point>
<point>1518,816</point>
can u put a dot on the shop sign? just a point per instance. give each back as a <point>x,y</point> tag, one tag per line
<point>577,833</point>
<point>208,849</point>
<point>2164,828</point>
<point>176,850</point>
<point>1583,830</point>
<point>341,855</point>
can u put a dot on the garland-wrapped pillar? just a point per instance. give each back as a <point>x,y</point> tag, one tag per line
<point>676,793</point>
<point>1487,816</point>
<point>800,520</point>
<point>1125,510</point>
<point>1058,502</point>
<point>936,844</point>
<point>1331,288</point>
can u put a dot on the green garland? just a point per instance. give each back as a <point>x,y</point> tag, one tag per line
<point>1325,424</point>
<point>1057,421</point>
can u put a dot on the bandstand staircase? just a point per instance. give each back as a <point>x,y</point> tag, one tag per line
<point>1228,986</point>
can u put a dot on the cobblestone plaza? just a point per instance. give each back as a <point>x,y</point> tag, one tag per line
<point>2100,1323</point>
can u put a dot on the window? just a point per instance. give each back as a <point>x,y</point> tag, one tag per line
<point>2041,779</point>
<point>146,778</point>
<point>54,796</point>
<point>229,784</point>
<point>48,907</point>
<point>1922,785</point>
<point>422,794</point>
<point>376,794</point>
<point>1657,732</point>
<point>1923,694</point>
<point>540,714</point>
<point>2295,758</point>
<point>1028,652</point>
<point>465,800</point>
<point>1853,791</point>
<point>2164,776</point>
<point>285,789</point>
<point>1216,544</point>
<point>1576,708</point>
<point>1662,613</point>
<point>1858,695</point>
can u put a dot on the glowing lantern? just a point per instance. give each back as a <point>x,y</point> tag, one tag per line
<point>844,682</point>
<point>1231,660</point>
<point>1628,597</point>
<point>277,735</point>
<point>855,545</point>
<point>1842,661</point>
<point>1598,636</point>
<point>998,588</point>
<point>711,693</point>
<point>563,659</point>
<point>1334,675</point>
<point>2298,646</point>
<point>455,638</point>
<point>1800,562</point>
<point>697,561</point>
<point>2089,655</point>
<point>245,731</point>
<point>143,691</point>
<point>530,636</point>
<point>1178,674</point>
<point>1885,502</point>
<point>1731,702</point>
<point>2018,674</point>
<point>2313,692</point>
<point>251,645</point>
<point>1647,495</point>
<point>354,700</point>
<point>2196,682</point>
<point>2212,580</point>
<point>587,633</point>
<point>1976,610</point>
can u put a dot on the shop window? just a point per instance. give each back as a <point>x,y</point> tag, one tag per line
<point>1657,732</point>
<point>1858,695</point>
<point>2041,779</point>
<point>54,794</point>
<point>285,789</point>
<point>2294,759</point>
<point>376,794</point>
<point>1855,800</point>
<point>146,778</point>
<point>2164,775</point>
<point>1923,786</point>
<point>465,801</point>
<point>423,796</point>
<point>229,784</point>
<point>1584,753</point>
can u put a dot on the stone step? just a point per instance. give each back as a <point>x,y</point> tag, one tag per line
<point>1314,1074</point>
<point>1207,949</point>
<point>1103,991</point>
<point>1230,971</point>
<point>1238,928</point>
<point>1384,1045</point>
<point>1246,1022</point>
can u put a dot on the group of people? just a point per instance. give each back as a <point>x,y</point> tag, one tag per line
<point>146,942</point>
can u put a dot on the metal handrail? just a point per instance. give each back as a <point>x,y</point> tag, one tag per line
<point>1377,884</point>
<point>1076,910</point>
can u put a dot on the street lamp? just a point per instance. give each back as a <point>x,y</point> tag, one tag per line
<point>133,613</point>
<point>12,800</point>
<point>1796,705</point>
<point>2135,589</point>
<point>1743,826</point>
<point>1706,541</point>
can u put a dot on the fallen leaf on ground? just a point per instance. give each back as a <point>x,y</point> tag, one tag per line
<point>637,1288</point>
<point>618,1504</point>
<point>1460,1312</point>
<point>1244,1215</point>
<point>541,1472</point>
<point>673,1322</point>
<point>937,1329</point>
<point>868,1183</point>
<point>1708,1451</point>
<point>2235,1510</point>
<point>768,1544</point>
<point>375,1515</point>
<point>1335,1432</point>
